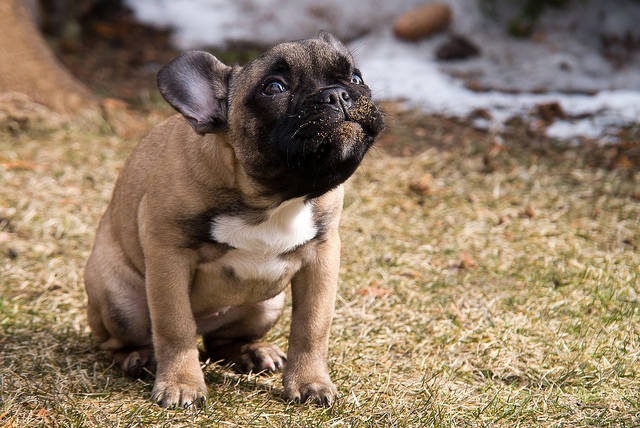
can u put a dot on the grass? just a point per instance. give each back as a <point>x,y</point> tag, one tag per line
<point>487,280</point>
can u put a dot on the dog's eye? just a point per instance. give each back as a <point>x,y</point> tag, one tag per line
<point>273,88</point>
<point>355,78</point>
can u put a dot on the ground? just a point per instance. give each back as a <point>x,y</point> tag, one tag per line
<point>487,279</point>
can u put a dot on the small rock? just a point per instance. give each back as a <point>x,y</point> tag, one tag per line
<point>421,187</point>
<point>527,212</point>
<point>457,47</point>
<point>422,21</point>
<point>549,112</point>
<point>480,113</point>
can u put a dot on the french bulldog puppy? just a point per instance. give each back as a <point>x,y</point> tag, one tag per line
<point>214,216</point>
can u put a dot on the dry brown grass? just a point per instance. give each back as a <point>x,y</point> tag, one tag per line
<point>501,288</point>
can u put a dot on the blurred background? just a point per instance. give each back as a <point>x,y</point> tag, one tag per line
<point>490,269</point>
<point>567,68</point>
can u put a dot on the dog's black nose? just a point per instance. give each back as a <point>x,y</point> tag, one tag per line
<point>336,97</point>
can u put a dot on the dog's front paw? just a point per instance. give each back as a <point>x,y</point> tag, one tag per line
<point>179,394</point>
<point>321,392</point>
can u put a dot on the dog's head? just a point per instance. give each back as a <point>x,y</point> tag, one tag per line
<point>299,117</point>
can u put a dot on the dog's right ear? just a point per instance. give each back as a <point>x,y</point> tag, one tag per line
<point>197,85</point>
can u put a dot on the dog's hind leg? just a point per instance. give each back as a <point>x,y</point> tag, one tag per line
<point>134,361</point>
<point>236,337</point>
<point>117,309</point>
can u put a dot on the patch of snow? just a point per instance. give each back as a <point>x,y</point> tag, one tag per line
<point>220,23</point>
<point>563,129</point>
<point>602,128</point>
<point>395,70</point>
<point>565,55</point>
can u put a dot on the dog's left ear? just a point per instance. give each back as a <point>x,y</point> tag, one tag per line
<point>197,85</point>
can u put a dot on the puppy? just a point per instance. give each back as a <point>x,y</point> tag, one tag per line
<point>212,218</point>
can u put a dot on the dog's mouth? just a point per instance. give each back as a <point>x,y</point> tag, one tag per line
<point>329,146</point>
<point>342,140</point>
<point>319,150</point>
<point>332,137</point>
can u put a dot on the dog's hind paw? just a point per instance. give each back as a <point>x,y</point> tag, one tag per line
<point>135,362</point>
<point>249,357</point>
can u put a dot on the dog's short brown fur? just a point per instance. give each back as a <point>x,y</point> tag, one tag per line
<point>206,229</point>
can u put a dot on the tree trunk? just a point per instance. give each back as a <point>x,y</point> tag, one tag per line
<point>27,65</point>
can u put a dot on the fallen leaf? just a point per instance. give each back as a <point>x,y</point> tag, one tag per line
<point>456,311</point>
<point>374,291</point>
<point>106,30</point>
<point>113,104</point>
<point>393,108</point>
<point>466,261</point>
<point>4,237</point>
<point>539,37</point>
<point>69,201</point>
<point>386,140</point>
<point>495,149</point>
<point>623,162</point>
<point>18,165</point>
<point>411,274</point>
<point>420,132</point>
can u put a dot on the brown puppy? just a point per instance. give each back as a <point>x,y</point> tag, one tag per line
<point>206,229</point>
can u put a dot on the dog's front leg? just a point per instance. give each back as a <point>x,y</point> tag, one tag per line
<point>306,376</point>
<point>179,379</point>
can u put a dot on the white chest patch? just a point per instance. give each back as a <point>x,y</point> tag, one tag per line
<point>257,248</point>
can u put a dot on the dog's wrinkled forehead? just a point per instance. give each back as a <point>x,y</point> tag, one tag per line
<point>311,58</point>
<point>314,56</point>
